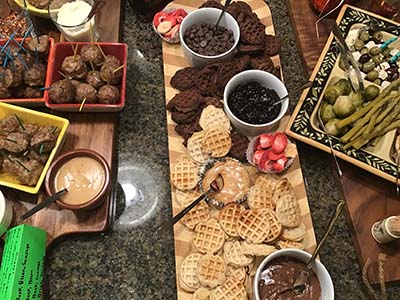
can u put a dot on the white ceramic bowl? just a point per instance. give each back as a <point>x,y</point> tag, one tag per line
<point>319,269</point>
<point>267,80</point>
<point>208,16</point>
<point>6,214</point>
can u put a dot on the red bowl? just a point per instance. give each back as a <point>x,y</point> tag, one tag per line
<point>33,102</point>
<point>62,50</point>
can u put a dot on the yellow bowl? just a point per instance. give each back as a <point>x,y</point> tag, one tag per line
<point>41,119</point>
<point>43,13</point>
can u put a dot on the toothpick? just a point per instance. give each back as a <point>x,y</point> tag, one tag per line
<point>8,41</point>
<point>91,32</point>
<point>381,262</point>
<point>36,56</point>
<point>44,88</point>
<point>63,75</point>
<point>102,52</point>
<point>75,50</point>
<point>119,68</point>
<point>91,64</point>
<point>82,104</point>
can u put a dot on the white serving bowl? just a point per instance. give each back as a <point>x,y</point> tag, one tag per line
<point>208,16</point>
<point>6,214</point>
<point>318,268</point>
<point>267,80</point>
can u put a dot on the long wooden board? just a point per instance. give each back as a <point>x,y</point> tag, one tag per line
<point>378,198</point>
<point>87,130</point>
<point>173,61</point>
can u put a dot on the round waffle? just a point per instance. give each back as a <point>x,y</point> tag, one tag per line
<point>184,78</point>
<point>275,225</point>
<point>212,116</point>
<point>237,273</point>
<point>259,197</point>
<point>288,211</point>
<point>232,289</point>
<point>201,294</point>
<point>214,101</point>
<point>216,141</point>
<point>204,79</point>
<point>184,198</point>
<point>185,101</point>
<point>184,174</point>
<point>183,117</point>
<point>195,148</point>
<point>234,255</point>
<point>239,146</point>
<point>233,9</point>
<point>258,249</point>
<point>187,130</point>
<point>188,272</point>
<point>263,61</point>
<point>212,3</point>
<point>241,63</point>
<point>252,32</point>
<point>272,45</point>
<point>250,49</point>
<point>199,213</point>
<point>228,218</point>
<point>282,188</point>
<point>208,237</point>
<point>243,6</point>
<point>225,72</point>
<point>282,244</point>
<point>253,226</point>
<point>295,234</point>
<point>211,271</point>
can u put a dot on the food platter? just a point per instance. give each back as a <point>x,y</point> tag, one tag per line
<point>174,60</point>
<point>303,124</point>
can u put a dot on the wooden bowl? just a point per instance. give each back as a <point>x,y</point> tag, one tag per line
<point>93,203</point>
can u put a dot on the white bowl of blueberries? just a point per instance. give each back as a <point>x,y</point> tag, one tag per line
<point>249,99</point>
<point>203,42</point>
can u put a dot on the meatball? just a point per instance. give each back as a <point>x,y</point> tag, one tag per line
<point>108,94</point>
<point>113,60</point>
<point>32,92</point>
<point>22,62</point>
<point>6,78</point>
<point>15,142</point>
<point>75,68</point>
<point>18,78</point>
<point>19,91</point>
<point>108,75</point>
<point>62,91</point>
<point>5,93</point>
<point>36,75</point>
<point>85,91</point>
<point>75,83</point>
<point>93,78</point>
<point>45,139</point>
<point>39,44</point>
<point>92,54</point>
<point>40,3</point>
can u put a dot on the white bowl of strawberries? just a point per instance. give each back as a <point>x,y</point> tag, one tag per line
<point>167,23</point>
<point>271,152</point>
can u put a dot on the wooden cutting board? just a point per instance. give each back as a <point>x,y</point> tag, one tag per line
<point>173,61</point>
<point>369,197</point>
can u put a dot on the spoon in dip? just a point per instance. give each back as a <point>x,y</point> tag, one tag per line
<point>215,186</point>
<point>227,2</point>
<point>95,8</point>
<point>302,280</point>
<point>299,89</point>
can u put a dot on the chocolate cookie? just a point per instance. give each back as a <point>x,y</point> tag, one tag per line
<point>273,44</point>
<point>212,3</point>
<point>225,72</point>
<point>252,32</point>
<point>262,62</point>
<point>251,49</point>
<point>183,117</point>
<point>214,101</point>
<point>243,6</point>
<point>204,79</point>
<point>184,78</point>
<point>241,63</point>
<point>239,146</point>
<point>185,101</point>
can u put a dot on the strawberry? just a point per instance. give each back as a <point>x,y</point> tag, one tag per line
<point>179,13</point>
<point>171,19</point>
<point>279,165</point>
<point>173,31</point>
<point>179,19</point>
<point>159,17</point>
<point>257,144</point>
<point>257,156</point>
<point>279,143</point>
<point>274,156</point>
<point>265,164</point>
<point>266,140</point>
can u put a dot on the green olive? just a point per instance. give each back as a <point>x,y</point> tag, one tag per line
<point>386,52</point>
<point>364,36</point>
<point>372,75</point>
<point>364,50</point>
<point>375,51</point>
<point>358,44</point>
<point>352,49</point>
<point>378,81</point>
<point>368,66</point>
<point>371,92</point>
<point>377,36</point>
<point>378,59</point>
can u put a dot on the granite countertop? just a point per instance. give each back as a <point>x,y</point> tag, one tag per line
<point>132,261</point>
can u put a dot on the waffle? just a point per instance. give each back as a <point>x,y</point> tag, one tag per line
<point>214,101</point>
<point>272,45</point>
<point>184,198</point>
<point>295,234</point>
<point>187,130</point>
<point>253,226</point>
<point>258,249</point>
<point>282,188</point>
<point>183,117</point>
<point>288,211</point>
<point>212,116</point>
<point>250,49</point>
<point>184,174</point>
<point>225,72</point>
<point>195,148</point>
<point>208,237</point>
<point>188,272</point>
<point>275,225</point>
<point>252,32</point>
<point>211,270</point>
<point>241,63</point>
<point>204,79</point>
<point>212,3</point>
<point>282,244</point>
<point>199,213</point>
<point>185,101</point>
<point>217,141</point>
<point>237,273</point>
<point>184,78</point>
<point>264,60</point>
<point>291,150</point>
<point>201,294</point>
<point>239,146</point>
<point>228,218</point>
<point>234,255</point>
<point>260,198</point>
<point>232,289</point>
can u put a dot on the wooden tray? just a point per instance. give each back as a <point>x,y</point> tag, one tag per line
<point>174,60</point>
<point>59,222</point>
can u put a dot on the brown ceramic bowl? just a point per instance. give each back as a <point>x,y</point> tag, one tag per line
<point>60,161</point>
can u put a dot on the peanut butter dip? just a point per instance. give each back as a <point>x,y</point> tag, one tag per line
<point>236,181</point>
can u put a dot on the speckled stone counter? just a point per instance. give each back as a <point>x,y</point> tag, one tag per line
<point>132,261</point>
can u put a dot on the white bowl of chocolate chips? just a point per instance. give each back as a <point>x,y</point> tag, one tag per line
<point>275,276</point>
<point>202,42</point>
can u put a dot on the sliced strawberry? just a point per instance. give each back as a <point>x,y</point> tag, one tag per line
<point>279,143</point>
<point>171,19</point>
<point>257,156</point>
<point>279,165</point>
<point>159,17</point>
<point>257,144</point>
<point>174,31</point>
<point>266,140</point>
<point>179,19</point>
<point>179,12</point>
<point>274,156</point>
<point>265,164</point>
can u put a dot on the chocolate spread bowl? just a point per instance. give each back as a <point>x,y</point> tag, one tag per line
<point>320,273</point>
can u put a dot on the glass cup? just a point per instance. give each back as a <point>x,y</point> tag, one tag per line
<point>70,17</point>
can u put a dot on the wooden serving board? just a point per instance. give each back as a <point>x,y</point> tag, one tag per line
<point>174,60</point>
<point>378,198</point>
<point>60,222</point>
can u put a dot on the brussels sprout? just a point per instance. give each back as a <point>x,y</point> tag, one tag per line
<point>372,75</point>
<point>327,113</point>
<point>344,86</point>
<point>357,100</point>
<point>343,107</point>
<point>375,51</point>
<point>364,36</point>
<point>368,66</point>
<point>331,129</point>
<point>331,93</point>
<point>358,44</point>
<point>371,92</point>
<point>377,37</point>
